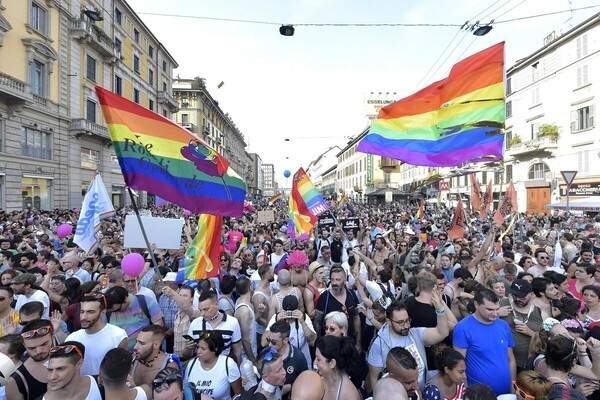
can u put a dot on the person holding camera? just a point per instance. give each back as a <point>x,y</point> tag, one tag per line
<point>302,334</point>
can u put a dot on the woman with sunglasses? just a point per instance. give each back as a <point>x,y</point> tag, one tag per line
<point>333,356</point>
<point>450,383</point>
<point>336,324</point>
<point>168,385</point>
<point>211,372</point>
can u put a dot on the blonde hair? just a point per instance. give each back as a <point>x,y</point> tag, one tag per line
<point>534,384</point>
<point>426,281</point>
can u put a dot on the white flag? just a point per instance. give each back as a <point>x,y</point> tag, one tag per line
<point>558,253</point>
<point>96,207</point>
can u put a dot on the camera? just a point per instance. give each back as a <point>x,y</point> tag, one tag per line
<point>289,314</point>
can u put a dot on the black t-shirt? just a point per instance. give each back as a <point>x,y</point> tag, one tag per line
<point>422,316</point>
<point>337,247</point>
<point>294,364</point>
<point>328,303</point>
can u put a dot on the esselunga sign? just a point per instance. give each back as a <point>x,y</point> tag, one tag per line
<point>581,189</point>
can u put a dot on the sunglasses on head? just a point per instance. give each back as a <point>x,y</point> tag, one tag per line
<point>158,382</point>
<point>66,350</point>
<point>44,330</point>
<point>520,392</point>
<point>268,357</point>
<point>97,296</point>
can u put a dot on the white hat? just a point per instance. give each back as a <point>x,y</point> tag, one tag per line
<point>409,231</point>
<point>170,277</point>
<point>7,367</point>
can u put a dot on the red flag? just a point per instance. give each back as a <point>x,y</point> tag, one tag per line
<point>475,193</point>
<point>507,205</point>
<point>457,228</point>
<point>487,200</point>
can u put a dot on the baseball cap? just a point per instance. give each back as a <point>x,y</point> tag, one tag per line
<point>520,288</point>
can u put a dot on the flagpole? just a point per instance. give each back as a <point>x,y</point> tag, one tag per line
<point>150,251</point>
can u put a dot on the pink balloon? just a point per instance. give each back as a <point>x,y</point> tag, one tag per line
<point>186,213</point>
<point>64,230</point>
<point>132,264</point>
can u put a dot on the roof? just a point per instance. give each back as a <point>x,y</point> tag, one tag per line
<point>591,203</point>
<point>382,191</point>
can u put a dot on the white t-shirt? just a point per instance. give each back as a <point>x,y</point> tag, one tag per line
<point>216,381</point>
<point>97,345</point>
<point>229,328</point>
<point>38,295</point>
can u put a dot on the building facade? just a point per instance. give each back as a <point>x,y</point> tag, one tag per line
<point>53,136</point>
<point>317,168</point>
<point>268,180</point>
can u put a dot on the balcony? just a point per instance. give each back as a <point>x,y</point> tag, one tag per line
<point>87,33</point>
<point>189,126</point>
<point>539,145</point>
<point>205,130</point>
<point>13,91</point>
<point>82,126</point>
<point>389,164</point>
<point>165,98</point>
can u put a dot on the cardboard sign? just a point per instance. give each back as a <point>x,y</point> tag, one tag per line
<point>326,221</point>
<point>350,224</point>
<point>164,232</point>
<point>265,216</point>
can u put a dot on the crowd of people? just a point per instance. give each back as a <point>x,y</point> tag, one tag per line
<point>388,307</point>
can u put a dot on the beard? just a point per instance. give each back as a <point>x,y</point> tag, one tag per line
<point>144,355</point>
<point>40,357</point>
<point>86,324</point>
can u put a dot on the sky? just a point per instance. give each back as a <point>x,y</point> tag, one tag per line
<point>311,87</point>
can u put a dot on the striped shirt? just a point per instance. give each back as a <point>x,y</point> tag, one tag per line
<point>229,328</point>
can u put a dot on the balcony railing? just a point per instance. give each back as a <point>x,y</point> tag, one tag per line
<point>82,126</point>
<point>541,144</point>
<point>189,126</point>
<point>86,32</point>
<point>13,89</point>
<point>165,98</point>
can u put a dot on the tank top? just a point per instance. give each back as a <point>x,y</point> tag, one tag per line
<point>28,386</point>
<point>280,297</point>
<point>253,338</point>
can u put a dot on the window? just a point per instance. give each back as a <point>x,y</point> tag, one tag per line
<point>36,144</point>
<point>151,104</point>
<point>582,76</point>
<point>535,97</point>
<point>185,118</point>
<point>509,109</point>
<point>136,36</point>
<point>118,85</point>
<point>90,159</point>
<point>164,86</point>
<point>583,161</point>
<point>150,76</point>
<point>36,192</point>
<point>496,178</point>
<point>535,73</point>
<point>90,69</point>
<point>150,51</point>
<point>38,78</point>
<point>136,64</point>
<point>508,86</point>
<point>90,110</point>
<point>582,118</point>
<point>164,113</point>
<point>538,171</point>
<point>119,46</point>
<point>582,49</point>
<point>535,127</point>
<point>38,18</point>
<point>484,179</point>
<point>507,139</point>
<point>164,66</point>
<point>118,16</point>
<point>136,96</point>
<point>508,174</point>
<point>185,102</point>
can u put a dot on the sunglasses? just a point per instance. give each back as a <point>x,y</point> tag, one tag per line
<point>543,257</point>
<point>130,281</point>
<point>158,382</point>
<point>97,296</point>
<point>205,335</point>
<point>44,330</point>
<point>272,341</point>
<point>520,392</point>
<point>67,349</point>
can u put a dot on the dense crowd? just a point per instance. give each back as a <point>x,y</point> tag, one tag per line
<point>388,307</point>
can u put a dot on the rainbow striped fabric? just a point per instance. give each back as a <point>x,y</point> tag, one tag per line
<point>452,121</point>
<point>275,198</point>
<point>203,256</point>
<point>419,213</point>
<point>304,205</point>
<point>342,202</point>
<point>168,161</point>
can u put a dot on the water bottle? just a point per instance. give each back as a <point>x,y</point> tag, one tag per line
<point>247,371</point>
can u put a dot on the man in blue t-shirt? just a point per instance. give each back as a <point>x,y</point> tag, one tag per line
<point>486,342</point>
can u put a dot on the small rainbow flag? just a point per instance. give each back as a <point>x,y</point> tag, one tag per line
<point>304,205</point>
<point>452,121</point>
<point>342,202</point>
<point>275,198</point>
<point>202,257</point>
<point>419,214</point>
<point>166,160</point>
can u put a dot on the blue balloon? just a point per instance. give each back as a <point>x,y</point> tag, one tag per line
<point>287,173</point>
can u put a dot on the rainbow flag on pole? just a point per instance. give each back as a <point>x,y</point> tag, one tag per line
<point>275,198</point>
<point>168,161</point>
<point>452,121</point>
<point>342,202</point>
<point>203,256</point>
<point>304,205</point>
<point>419,214</point>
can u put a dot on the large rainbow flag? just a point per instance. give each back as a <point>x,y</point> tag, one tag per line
<point>452,121</point>
<point>305,203</point>
<point>203,256</point>
<point>275,198</point>
<point>168,161</point>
